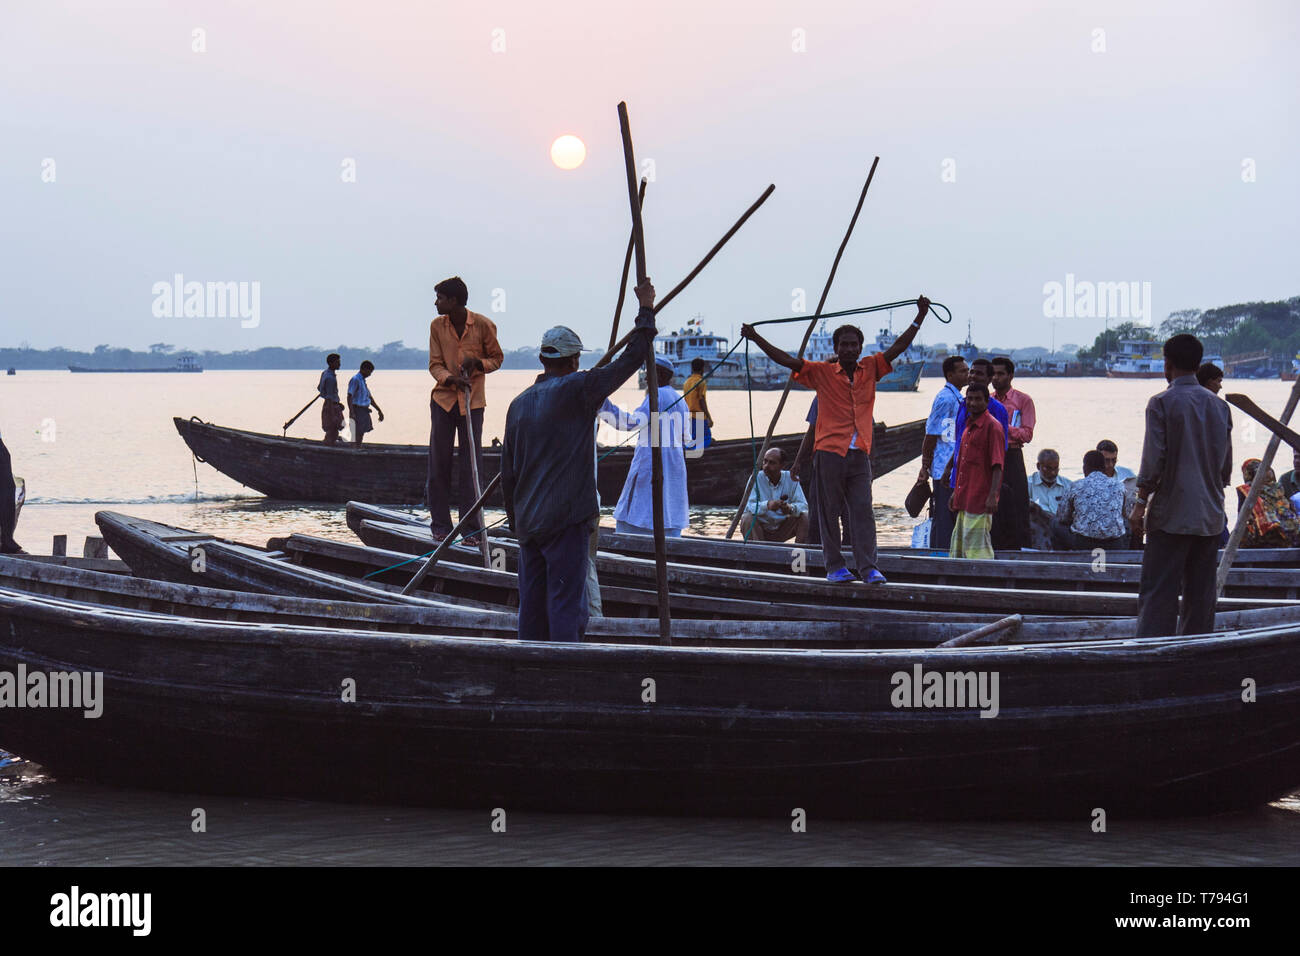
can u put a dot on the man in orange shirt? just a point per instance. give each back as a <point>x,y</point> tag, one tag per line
<point>977,484</point>
<point>846,396</point>
<point>463,348</point>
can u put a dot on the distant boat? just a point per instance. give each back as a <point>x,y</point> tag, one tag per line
<point>728,374</point>
<point>907,367</point>
<point>186,363</point>
<point>1295,370</point>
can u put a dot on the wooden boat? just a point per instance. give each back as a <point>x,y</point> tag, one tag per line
<point>1153,726</point>
<point>1281,558</point>
<point>312,567</point>
<point>301,470</point>
<point>80,582</point>
<point>331,569</point>
<point>412,537</point>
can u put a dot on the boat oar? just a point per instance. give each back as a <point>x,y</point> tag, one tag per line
<point>1265,419</point>
<point>473,467</point>
<point>652,392</point>
<point>299,415</point>
<point>780,406</point>
<point>448,541</point>
<point>1252,495</point>
<point>995,633</point>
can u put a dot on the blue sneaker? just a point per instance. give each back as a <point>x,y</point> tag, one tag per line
<point>842,576</point>
<point>875,577</point>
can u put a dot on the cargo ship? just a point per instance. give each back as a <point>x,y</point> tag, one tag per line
<point>186,363</point>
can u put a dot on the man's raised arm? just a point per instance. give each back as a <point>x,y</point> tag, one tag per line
<point>600,383</point>
<point>903,341</point>
<point>779,356</point>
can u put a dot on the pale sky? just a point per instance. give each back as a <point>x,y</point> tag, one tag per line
<point>1109,141</point>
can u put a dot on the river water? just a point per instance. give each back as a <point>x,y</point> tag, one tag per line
<point>91,442</point>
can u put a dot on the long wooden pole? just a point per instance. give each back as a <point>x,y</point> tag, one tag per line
<point>299,415</point>
<point>652,391</point>
<point>448,541</point>
<point>1239,530</point>
<point>473,470</point>
<point>616,347</point>
<point>826,289</point>
<point>716,246</point>
<point>627,264</point>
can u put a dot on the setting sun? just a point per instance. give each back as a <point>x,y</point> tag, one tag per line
<point>568,152</point>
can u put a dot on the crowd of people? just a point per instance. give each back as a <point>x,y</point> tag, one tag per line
<point>973,466</point>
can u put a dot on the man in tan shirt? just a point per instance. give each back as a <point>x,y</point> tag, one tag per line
<point>463,348</point>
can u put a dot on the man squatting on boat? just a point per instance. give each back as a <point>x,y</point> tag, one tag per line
<point>547,478</point>
<point>846,396</point>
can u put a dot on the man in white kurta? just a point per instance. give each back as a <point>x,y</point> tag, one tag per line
<point>634,513</point>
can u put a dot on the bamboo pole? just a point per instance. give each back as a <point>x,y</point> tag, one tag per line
<point>1239,530</point>
<point>448,541</point>
<point>716,247</point>
<point>285,429</point>
<point>996,633</point>
<point>780,406</point>
<point>473,469</point>
<point>616,347</point>
<point>652,391</point>
<point>627,264</point>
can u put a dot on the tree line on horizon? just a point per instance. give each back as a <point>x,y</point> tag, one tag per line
<point>1250,327</point>
<point>1226,330</point>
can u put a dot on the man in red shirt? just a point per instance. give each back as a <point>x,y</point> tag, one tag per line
<point>1011,523</point>
<point>846,395</point>
<point>978,481</point>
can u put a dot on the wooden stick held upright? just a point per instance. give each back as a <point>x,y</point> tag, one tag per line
<point>627,264</point>
<point>780,406</point>
<point>1247,506</point>
<point>473,468</point>
<point>652,391</point>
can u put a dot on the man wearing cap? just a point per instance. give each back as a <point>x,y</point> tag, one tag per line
<point>547,478</point>
<point>634,513</point>
<point>463,348</point>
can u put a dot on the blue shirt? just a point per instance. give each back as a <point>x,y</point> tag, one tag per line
<point>999,413</point>
<point>358,391</point>
<point>546,475</point>
<point>943,423</point>
<point>328,386</point>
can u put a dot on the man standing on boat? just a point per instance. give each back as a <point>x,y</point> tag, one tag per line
<point>331,413</point>
<point>1186,464</point>
<point>1011,524</point>
<point>846,396</point>
<point>634,513</point>
<point>547,478</point>
<point>463,348</point>
<point>977,482</point>
<point>360,401</point>
<point>940,443</point>
<point>695,390</point>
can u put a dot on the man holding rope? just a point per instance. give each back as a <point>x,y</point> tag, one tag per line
<point>547,479</point>
<point>846,396</point>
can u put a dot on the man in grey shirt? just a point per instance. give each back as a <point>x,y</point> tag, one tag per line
<point>1186,464</point>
